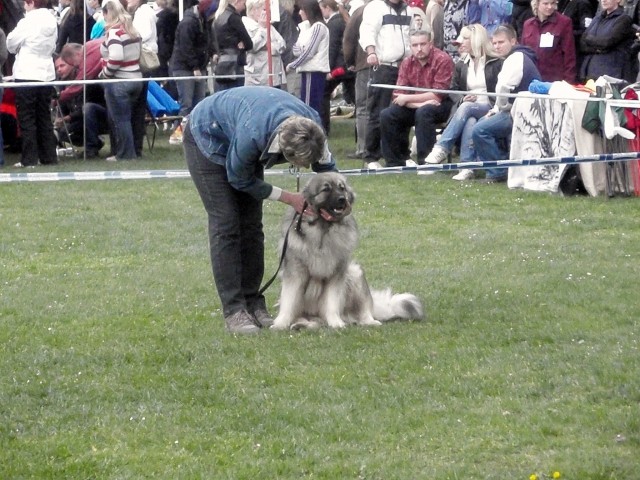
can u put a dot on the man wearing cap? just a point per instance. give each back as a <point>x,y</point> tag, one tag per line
<point>427,67</point>
<point>229,139</point>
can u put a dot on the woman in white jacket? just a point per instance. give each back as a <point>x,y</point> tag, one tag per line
<point>312,56</point>
<point>34,41</point>
<point>256,70</point>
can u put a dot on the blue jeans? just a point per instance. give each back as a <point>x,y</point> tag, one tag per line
<point>236,238</point>
<point>190,92</point>
<point>460,127</point>
<point>491,137</point>
<point>95,118</point>
<point>120,99</point>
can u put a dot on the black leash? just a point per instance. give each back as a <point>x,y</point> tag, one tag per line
<point>285,244</point>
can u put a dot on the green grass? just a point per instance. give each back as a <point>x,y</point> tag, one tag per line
<point>114,367</point>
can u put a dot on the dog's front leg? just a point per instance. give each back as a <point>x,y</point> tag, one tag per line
<point>291,302</point>
<point>333,305</point>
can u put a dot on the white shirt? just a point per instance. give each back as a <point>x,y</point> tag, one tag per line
<point>476,82</point>
<point>34,41</point>
<point>144,21</point>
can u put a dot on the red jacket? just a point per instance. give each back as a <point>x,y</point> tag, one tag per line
<point>556,62</point>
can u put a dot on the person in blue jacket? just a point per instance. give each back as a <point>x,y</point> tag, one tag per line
<point>229,139</point>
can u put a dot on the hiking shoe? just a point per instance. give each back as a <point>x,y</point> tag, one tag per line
<point>262,318</point>
<point>437,155</point>
<point>464,175</point>
<point>176,136</point>
<point>241,322</point>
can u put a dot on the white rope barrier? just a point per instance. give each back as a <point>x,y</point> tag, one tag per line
<point>580,95</point>
<point>179,174</point>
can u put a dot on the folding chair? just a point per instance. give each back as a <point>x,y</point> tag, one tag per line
<point>162,109</point>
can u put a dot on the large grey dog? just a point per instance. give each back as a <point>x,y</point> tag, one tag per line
<point>321,285</point>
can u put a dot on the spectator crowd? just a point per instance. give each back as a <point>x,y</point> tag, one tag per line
<point>474,47</point>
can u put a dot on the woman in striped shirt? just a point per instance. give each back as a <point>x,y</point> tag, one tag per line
<point>121,60</point>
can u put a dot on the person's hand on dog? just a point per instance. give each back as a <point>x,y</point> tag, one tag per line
<point>297,201</point>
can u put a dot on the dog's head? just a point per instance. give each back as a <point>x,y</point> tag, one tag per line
<point>329,195</point>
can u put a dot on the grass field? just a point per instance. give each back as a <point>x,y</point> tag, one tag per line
<point>115,363</point>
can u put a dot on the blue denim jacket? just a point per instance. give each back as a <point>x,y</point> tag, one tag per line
<point>235,127</point>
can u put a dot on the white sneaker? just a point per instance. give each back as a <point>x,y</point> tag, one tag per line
<point>374,165</point>
<point>426,172</point>
<point>410,163</point>
<point>111,159</point>
<point>464,175</point>
<point>437,155</point>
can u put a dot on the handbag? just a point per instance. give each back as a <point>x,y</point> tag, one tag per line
<point>148,59</point>
<point>227,65</point>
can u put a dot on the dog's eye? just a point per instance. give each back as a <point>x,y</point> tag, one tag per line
<point>326,187</point>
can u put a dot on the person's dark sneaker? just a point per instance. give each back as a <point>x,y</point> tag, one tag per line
<point>241,322</point>
<point>263,319</point>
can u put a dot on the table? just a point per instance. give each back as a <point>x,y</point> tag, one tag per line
<point>545,127</point>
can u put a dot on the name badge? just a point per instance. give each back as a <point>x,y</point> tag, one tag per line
<point>546,40</point>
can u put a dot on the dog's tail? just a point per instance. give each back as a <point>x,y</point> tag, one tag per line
<point>402,306</point>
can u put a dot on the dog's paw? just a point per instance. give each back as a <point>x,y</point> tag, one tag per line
<point>369,322</point>
<point>304,324</point>
<point>335,322</point>
<point>281,324</point>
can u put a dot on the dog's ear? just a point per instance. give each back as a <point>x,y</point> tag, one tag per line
<point>307,191</point>
<point>350,193</point>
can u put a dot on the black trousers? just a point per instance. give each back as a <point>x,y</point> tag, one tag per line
<point>236,237</point>
<point>379,99</point>
<point>36,126</point>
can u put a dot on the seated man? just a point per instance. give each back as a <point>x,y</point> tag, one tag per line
<point>492,134</point>
<point>427,67</point>
<point>76,110</point>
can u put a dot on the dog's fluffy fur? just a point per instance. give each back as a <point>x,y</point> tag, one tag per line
<point>321,285</point>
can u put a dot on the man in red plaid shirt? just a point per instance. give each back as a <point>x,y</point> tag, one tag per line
<point>427,67</point>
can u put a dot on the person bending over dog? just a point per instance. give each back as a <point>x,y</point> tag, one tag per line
<point>229,139</point>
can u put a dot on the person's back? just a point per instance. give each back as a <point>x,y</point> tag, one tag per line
<point>231,39</point>
<point>76,25</point>
<point>166,25</point>
<point>33,41</point>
